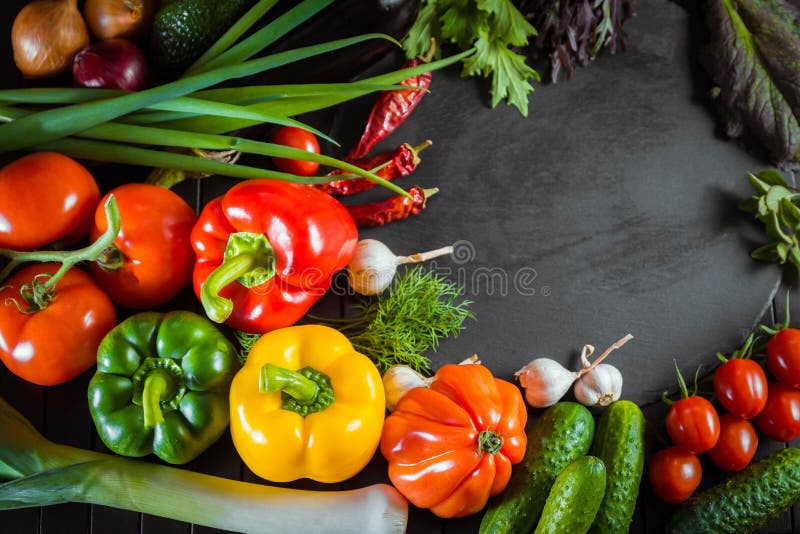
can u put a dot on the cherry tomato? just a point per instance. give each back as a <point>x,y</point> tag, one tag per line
<point>297,138</point>
<point>693,424</point>
<point>59,342</point>
<point>737,443</point>
<point>674,474</point>
<point>152,258</point>
<point>783,357</point>
<point>741,387</point>
<point>45,198</point>
<point>780,418</point>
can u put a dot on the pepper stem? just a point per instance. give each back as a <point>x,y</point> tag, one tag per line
<point>305,391</point>
<point>156,388</point>
<point>249,259</point>
<point>68,258</point>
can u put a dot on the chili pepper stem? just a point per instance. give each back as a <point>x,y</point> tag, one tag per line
<point>68,259</point>
<point>604,355</point>
<point>156,386</point>
<point>425,256</point>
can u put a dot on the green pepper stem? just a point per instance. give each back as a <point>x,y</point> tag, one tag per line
<point>156,387</point>
<point>276,379</point>
<point>68,258</point>
<point>219,308</point>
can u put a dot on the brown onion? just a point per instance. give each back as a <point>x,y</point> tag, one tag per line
<point>46,35</point>
<point>111,64</point>
<point>119,18</point>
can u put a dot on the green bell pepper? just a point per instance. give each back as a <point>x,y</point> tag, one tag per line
<point>162,385</point>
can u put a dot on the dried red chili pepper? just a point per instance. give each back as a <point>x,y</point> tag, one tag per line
<point>392,109</point>
<point>391,165</point>
<point>392,209</point>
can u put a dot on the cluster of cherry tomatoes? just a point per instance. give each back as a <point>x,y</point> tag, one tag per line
<point>728,438</point>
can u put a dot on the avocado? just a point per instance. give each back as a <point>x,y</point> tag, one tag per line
<point>184,29</point>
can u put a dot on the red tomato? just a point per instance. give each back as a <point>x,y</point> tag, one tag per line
<point>780,418</point>
<point>297,138</point>
<point>674,474</point>
<point>737,443</point>
<point>45,197</point>
<point>783,357</point>
<point>59,342</point>
<point>693,424</point>
<point>156,253</point>
<point>741,387</point>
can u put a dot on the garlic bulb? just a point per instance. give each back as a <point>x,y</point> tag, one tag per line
<point>545,381</point>
<point>399,380</point>
<point>373,265</point>
<point>599,387</point>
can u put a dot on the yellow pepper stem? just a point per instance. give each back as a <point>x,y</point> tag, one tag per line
<point>304,391</point>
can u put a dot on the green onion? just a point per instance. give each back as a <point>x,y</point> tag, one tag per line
<point>265,36</point>
<point>55,123</point>
<point>43,473</point>
<point>293,106</point>
<point>233,33</point>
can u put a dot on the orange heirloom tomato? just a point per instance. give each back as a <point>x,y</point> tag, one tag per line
<point>451,446</point>
<point>44,198</point>
<point>58,342</point>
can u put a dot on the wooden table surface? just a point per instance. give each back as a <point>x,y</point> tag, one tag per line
<point>610,209</point>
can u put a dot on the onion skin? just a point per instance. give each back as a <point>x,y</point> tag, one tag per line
<point>111,64</point>
<point>46,35</point>
<point>128,19</point>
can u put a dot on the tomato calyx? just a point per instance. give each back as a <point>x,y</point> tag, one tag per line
<point>38,294</point>
<point>490,442</point>
<point>682,385</point>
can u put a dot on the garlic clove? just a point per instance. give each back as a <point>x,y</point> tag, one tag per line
<point>545,382</point>
<point>599,387</point>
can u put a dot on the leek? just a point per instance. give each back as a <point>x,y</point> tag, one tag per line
<point>43,473</point>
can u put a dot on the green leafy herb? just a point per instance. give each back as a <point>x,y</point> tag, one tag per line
<point>399,326</point>
<point>775,204</point>
<point>754,59</point>
<point>575,31</point>
<point>492,27</point>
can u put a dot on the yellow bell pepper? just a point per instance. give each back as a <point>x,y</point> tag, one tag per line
<point>306,405</point>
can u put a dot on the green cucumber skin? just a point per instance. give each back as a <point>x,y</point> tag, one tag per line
<point>744,502</point>
<point>574,498</point>
<point>619,442</point>
<point>561,434</point>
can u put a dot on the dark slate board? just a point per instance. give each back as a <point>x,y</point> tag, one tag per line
<point>611,209</point>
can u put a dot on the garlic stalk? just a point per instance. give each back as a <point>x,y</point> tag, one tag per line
<point>546,381</point>
<point>373,266</point>
<point>400,379</point>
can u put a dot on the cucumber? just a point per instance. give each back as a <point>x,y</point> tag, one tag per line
<point>619,442</point>
<point>562,433</point>
<point>745,501</point>
<point>574,498</point>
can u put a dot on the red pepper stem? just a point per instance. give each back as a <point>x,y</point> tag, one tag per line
<point>219,308</point>
<point>420,147</point>
<point>68,259</point>
<point>156,387</point>
<point>425,256</point>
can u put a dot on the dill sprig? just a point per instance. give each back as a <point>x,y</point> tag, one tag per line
<point>402,324</point>
<point>246,341</point>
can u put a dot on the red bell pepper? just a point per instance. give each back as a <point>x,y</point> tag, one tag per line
<point>267,251</point>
